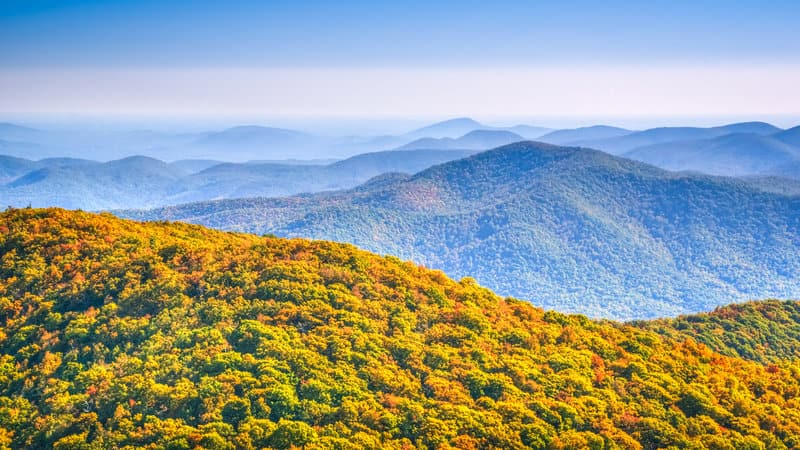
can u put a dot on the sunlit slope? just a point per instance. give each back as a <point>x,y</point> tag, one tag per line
<point>765,331</point>
<point>118,334</point>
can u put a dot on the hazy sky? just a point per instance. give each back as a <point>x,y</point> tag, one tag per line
<point>410,58</point>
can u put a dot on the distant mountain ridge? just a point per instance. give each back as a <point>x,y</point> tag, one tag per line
<point>735,154</point>
<point>12,168</point>
<point>790,136</point>
<point>16,132</point>
<point>732,154</point>
<point>449,128</point>
<point>251,142</point>
<point>457,127</point>
<point>474,140</point>
<point>147,182</point>
<point>571,136</point>
<point>238,143</point>
<point>256,142</point>
<point>630,141</point>
<point>526,220</point>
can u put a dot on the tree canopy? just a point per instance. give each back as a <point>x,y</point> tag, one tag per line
<point>118,334</point>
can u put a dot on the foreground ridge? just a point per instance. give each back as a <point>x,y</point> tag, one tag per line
<point>118,334</point>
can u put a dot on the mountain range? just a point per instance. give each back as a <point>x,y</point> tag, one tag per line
<point>628,141</point>
<point>141,182</point>
<point>254,142</point>
<point>235,144</point>
<point>583,134</point>
<point>463,125</point>
<point>118,334</point>
<point>737,154</point>
<point>739,149</point>
<point>568,228</point>
<point>473,140</point>
<point>89,143</point>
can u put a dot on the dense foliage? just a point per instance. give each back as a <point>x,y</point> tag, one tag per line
<point>570,229</point>
<point>765,331</point>
<point>778,185</point>
<point>117,334</point>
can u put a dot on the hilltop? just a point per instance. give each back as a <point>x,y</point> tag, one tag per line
<point>118,334</point>
<point>583,134</point>
<point>766,331</point>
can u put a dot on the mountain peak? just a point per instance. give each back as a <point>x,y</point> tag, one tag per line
<point>137,162</point>
<point>750,127</point>
<point>790,136</point>
<point>458,121</point>
<point>492,133</point>
<point>451,128</point>
<point>576,135</point>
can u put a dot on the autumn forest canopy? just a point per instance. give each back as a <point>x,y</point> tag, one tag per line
<point>118,334</point>
<point>413,225</point>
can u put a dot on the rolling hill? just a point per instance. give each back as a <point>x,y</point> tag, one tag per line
<point>12,167</point>
<point>117,334</point>
<point>653,136</point>
<point>766,331</point>
<point>790,136</point>
<point>21,149</point>
<point>455,128</point>
<point>529,132</point>
<point>194,165</point>
<point>141,182</point>
<point>369,165</point>
<point>571,229</point>
<point>92,143</point>
<point>14,132</point>
<point>596,132</point>
<point>735,154</point>
<point>449,128</point>
<point>474,140</point>
<point>243,143</point>
<point>234,144</point>
<point>273,179</point>
<point>135,180</point>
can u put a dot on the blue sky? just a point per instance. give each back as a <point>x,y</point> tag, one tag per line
<point>464,33</point>
<point>138,52</point>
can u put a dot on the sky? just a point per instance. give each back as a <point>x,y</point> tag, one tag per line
<point>349,59</point>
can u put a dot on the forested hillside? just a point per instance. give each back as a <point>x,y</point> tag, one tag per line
<point>570,229</point>
<point>117,334</point>
<point>765,331</point>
